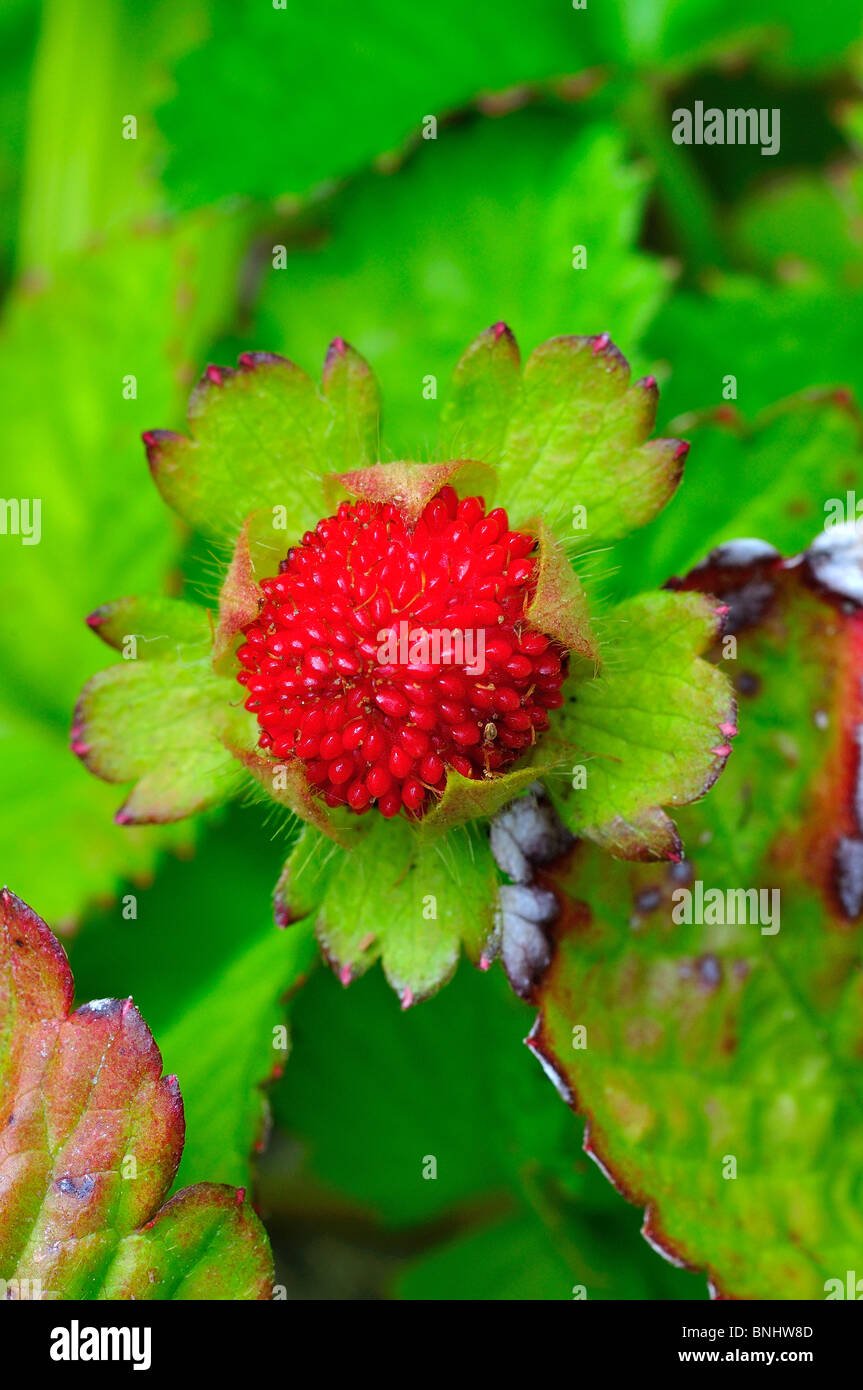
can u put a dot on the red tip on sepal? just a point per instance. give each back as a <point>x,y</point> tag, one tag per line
<point>155,441</point>
<point>250,361</point>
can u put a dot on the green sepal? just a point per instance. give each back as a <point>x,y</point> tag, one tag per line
<point>570,433</point>
<point>485,383</point>
<point>161,627</point>
<point>560,607</point>
<point>265,436</point>
<point>158,724</point>
<point>412,485</point>
<point>650,731</point>
<point>397,897</point>
<point>259,550</point>
<point>467,799</point>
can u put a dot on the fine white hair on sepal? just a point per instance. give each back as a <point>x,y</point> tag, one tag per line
<point>835,559</point>
<point>491,949</point>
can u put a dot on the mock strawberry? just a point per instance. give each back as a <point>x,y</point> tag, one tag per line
<point>410,649</point>
<point>387,652</point>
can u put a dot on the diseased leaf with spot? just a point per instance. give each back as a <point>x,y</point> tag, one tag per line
<point>720,1075</point>
<point>91,1134</point>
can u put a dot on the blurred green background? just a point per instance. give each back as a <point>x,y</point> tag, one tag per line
<point>278,192</point>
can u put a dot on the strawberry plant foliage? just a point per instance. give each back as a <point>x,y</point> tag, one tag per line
<point>91,1135</point>
<point>538,179</point>
<point>719,1075</point>
<point>418,69</point>
<point>60,348</point>
<point>412,643</point>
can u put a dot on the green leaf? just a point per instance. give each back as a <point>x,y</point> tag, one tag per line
<point>449,1079</point>
<point>19,27</point>
<point>394,69</point>
<point>779,475</point>
<point>719,1075</point>
<point>513,1260</point>
<point>265,436</point>
<point>90,1139</point>
<point>228,1042</point>
<point>47,788</point>
<point>371,1095</point>
<point>805,227</point>
<point>411,268</point>
<point>650,731</point>
<point>396,897</point>
<point>774,340</point>
<point>394,65</point>
<point>71,441</point>
<point>83,176</point>
<point>582,1256</point>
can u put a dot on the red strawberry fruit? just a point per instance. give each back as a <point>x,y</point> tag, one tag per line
<point>386,652</point>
